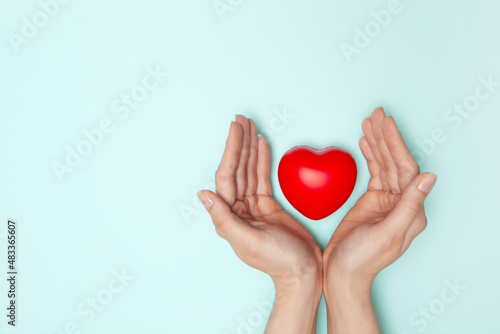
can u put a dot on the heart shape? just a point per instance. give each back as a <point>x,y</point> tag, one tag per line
<point>317,182</point>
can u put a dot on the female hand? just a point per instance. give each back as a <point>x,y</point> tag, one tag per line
<point>261,233</point>
<point>378,229</point>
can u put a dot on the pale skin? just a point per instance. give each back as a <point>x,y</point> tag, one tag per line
<point>373,234</point>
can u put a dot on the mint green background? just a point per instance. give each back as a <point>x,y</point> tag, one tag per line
<point>121,208</point>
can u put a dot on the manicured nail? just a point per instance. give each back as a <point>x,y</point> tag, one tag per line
<point>207,202</point>
<point>427,183</point>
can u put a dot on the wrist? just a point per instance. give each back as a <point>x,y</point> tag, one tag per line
<point>296,303</point>
<point>349,305</point>
<point>346,288</point>
<point>299,289</point>
<point>304,280</point>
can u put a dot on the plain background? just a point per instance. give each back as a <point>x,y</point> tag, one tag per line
<point>130,204</point>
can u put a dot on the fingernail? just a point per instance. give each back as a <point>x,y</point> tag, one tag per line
<point>207,202</point>
<point>427,183</point>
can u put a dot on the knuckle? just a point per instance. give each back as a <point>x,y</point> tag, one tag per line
<point>219,229</point>
<point>422,225</point>
<point>222,176</point>
<point>219,232</point>
<point>413,208</point>
<point>218,223</point>
<point>409,169</point>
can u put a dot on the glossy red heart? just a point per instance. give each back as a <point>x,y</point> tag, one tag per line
<point>317,182</point>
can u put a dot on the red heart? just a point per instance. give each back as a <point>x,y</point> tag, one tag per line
<point>317,182</point>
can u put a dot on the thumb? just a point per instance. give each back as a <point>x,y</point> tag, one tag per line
<point>227,224</point>
<point>217,208</point>
<point>412,201</point>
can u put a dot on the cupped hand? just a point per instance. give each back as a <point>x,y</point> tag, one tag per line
<point>245,214</point>
<point>386,219</point>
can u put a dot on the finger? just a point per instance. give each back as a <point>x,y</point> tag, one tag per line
<point>407,166</point>
<point>410,206</point>
<point>252,160</point>
<point>227,224</point>
<point>225,176</point>
<point>264,168</point>
<point>391,171</point>
<point>373,166</point>
<point>370,138</point>
<point>241,172</point>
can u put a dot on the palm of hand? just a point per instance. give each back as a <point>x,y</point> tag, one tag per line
<point>267,237</point>
<point>363,242</point>
<point>284,246</point>
<point>355,240</point>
